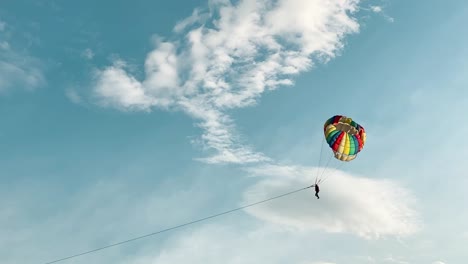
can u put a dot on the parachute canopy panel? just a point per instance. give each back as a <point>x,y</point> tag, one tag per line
<point>344,136</point>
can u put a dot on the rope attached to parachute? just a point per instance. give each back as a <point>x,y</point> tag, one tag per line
<point>178,226</point>
<point>320,160</point>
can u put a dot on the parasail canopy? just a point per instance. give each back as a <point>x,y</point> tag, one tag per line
<point>344,136</point>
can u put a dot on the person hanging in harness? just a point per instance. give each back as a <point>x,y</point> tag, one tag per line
<point>317,189</point>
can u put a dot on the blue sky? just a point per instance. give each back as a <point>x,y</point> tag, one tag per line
<point>119,119</point>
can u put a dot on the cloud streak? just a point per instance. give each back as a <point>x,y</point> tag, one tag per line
<point>226,57</point>
<point>101,214</point>
<point>364,207</point>
<point>234,245</point>
<point>17,70</point>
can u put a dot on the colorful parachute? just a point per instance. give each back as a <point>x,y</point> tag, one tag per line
<point>344,136</point>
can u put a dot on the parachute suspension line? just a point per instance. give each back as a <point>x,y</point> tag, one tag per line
<point>320,160</point>
<point>325,168</point>
<point>328,172</point>
<point>178,226</point>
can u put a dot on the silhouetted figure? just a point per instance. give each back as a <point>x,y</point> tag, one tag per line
<point>317,190</point>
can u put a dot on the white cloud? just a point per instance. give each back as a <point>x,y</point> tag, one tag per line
<point>245,49</point>
<point>376,9</point>
<point>369,208</point>
<point>121,90</point>
<point>162,75</point>
<point>2,25</point>
<point>87,54</point>
<point>438,262</point>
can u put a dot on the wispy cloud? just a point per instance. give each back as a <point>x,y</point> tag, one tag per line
<point>380,10</point>
<point>73,95</point>
<point>226,57</point>
<point>88,54</point>
<point>2,25</point>
<point>212,244</point>
<point>4,45</point>
<point>368,208</point>
<point>17,70</point>
<point>87,219</point>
